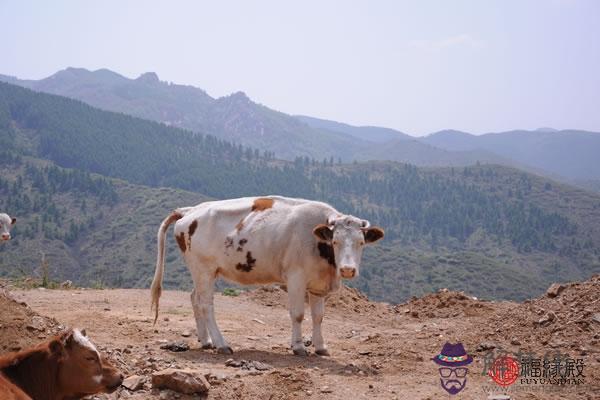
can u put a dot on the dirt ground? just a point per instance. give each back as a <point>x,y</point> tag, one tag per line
<point>378,351</point>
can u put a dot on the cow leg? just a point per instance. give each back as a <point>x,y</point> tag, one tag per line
<point>317,310</point>
<point>296,292</point>
<point>204,298</point>
<point>201,323</point>
<point>204,282</point>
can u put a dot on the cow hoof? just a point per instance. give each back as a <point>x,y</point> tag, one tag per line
<point>322,352</point>
<point>300,352</point>
<point>208,346</point>
<point>225,350</point>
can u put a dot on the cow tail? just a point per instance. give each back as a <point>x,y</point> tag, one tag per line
<point>156,288</point>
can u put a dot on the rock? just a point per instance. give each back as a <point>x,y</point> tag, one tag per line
<point>234,363</point>
<point>364,352</point>
<point>134,382</point>
<point>37,323</point>
<point>596,318</point>
<point>187,381</point>
<point>186,333</point>
<point>260,366</point>
<point>248,365</point>
<point>175,346</point>
<point>258,321</point>
<point>326,389</point>
<point>554,290</point>
<point>547,319</point>
<point>66,284</point>
<point>485,346</point>
<point>515,342</point>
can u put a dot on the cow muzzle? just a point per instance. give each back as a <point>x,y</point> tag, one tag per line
<point>348,272</point>
<point>6,236</point>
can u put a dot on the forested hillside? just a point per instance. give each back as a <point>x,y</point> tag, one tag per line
<point>95,231</point>
<point>495,231</point>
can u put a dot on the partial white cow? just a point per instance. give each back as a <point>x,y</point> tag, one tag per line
<point>6,223</point>
<point>306,245</point>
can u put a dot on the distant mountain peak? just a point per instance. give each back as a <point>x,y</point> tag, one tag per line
<point>546,129</point>
<point>148,77</point>
<point>239,95</point>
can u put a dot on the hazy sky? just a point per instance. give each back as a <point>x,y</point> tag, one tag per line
<point>418,66</point>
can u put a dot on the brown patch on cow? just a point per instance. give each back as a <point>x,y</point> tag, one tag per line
<point>326,252</point>
<point>262,204</point>
<point>228,242</point>
<point>181,241</point>
<point>240,225</point>
<point>192,228</point>
<point>241,244</point>
<point>250,263</point>
<point>300,318</point>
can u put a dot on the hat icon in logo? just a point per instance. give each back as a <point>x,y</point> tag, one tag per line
<point>452,361</point>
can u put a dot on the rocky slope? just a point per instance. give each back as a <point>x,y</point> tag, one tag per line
<point>378,351</point>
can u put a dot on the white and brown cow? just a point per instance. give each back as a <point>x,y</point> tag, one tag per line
<point>306,245</point>
<point>6,223</point>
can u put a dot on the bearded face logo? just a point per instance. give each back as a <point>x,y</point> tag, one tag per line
<point>453,380</point>
<point>453,371</point>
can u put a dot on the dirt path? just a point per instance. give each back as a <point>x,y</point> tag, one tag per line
<point>378,352</point>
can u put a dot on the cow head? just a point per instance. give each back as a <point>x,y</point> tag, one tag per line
<point>83,371</point>
<point>6,223</point>
<point>346,237</point>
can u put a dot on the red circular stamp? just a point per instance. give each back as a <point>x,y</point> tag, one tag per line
<point>504,371</point>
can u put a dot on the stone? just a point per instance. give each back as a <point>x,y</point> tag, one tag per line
<point>547,319</point>
<point>485,346</point>
<point>554,290</point>
<point>66,284</point>
<point>187,381</point>
<point>596,318</point>
<point>175,346</point>
<point>186,333</point>
<point>134,382</point>
<point>37,323</point>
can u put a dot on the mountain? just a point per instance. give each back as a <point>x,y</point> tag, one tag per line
<point>234,117</point>
<point>495,231</point>
<point>570,154</point>
<point>237,118</point>
<point>368,133</point>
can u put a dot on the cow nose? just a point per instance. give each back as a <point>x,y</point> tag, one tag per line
<point>348,272</point>
<point>5,236</point>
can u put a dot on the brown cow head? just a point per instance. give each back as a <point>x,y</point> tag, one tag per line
<point>83,371</point>
<point>345,237</point>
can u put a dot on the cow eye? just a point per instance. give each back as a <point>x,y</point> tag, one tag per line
<point>362,243</point>
<point>91,358</point>
<point>335,242</point>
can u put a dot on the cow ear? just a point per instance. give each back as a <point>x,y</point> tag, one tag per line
<point>56,346</point>
<point>68,339</point>
<point>13,221</point>
<point>323,232</point>
<point>83,332</point>
<point>373,234</point>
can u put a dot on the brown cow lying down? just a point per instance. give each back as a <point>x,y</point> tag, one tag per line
<point>66,367</point>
